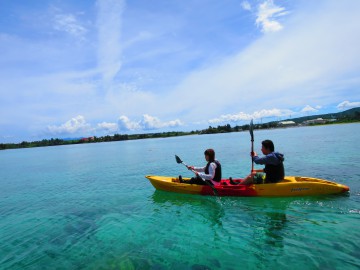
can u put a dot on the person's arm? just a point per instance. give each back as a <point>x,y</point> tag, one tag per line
<point>257,159</point>
<point>260,160</point>
<point>198,169</point>
<point>268,159</point>
<point>211,174</point>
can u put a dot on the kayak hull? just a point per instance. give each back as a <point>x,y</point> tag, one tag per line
<point>290,186</point>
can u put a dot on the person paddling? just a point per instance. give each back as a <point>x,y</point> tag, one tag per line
<point>274,167</point>
<point>210,173</point>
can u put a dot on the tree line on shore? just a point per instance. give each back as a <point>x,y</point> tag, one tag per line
<point>123,137</point>
<point>346,118</point>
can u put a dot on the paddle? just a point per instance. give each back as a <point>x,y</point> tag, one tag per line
<point>179,161</point>
<point>251,129</point>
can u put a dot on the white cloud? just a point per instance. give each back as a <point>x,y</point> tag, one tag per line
<point>109,23</point>
<point>141,36</point>
<point>147,122</point>
<point>74,125</point>
<point>125,124</point>
<point>150,122</point>
<point>246,5</point>
<point>107,127</point>
<point>267,12</point>
<point>348,105</point>
<point>131,98</point>
<point>79,126</point>
<point>246,117</point>
<point>308,108</point>
<point>68,23</point>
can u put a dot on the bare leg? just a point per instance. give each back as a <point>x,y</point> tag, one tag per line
<point>248,180</point>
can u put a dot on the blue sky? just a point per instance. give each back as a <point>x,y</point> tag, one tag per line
<point>83,68</point>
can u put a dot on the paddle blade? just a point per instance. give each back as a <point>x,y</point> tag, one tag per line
<point>178,160</point>
<point>251,129</point>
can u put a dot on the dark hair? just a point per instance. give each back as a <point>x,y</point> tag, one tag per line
<point>210,153</point>
<point>268,145</point>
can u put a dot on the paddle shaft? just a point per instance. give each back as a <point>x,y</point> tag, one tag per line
<point>252,153</point>
<point>251,129</point>
<point>191,170</point>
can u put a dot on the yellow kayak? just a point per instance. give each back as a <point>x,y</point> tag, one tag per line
<point>290,186</point>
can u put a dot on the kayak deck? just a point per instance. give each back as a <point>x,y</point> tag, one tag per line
<point>290,186</point>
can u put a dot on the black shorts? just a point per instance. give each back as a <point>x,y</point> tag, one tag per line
<point>259,178</point>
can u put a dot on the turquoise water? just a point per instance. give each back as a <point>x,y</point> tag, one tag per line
<point>89,206</point>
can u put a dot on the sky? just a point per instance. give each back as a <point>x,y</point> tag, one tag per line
<point>83,68</point>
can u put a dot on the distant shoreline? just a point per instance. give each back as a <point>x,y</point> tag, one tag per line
<point>125,137</point>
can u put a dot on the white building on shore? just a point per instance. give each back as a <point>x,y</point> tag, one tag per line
<point>315,121</point>
<point>286,124</point>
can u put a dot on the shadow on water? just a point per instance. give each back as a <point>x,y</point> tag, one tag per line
<point>176,199</point>
<point>208,207</point>
<point>273,221</point>
<point>195,215</point>
<point>258,227</point>
<point>170,235</point>
<point>269,218</point>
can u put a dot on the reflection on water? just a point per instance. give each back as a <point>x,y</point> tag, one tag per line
<point>161,197</point>
<point>208,207</point>
<point>269,222</point>
<point>231,221</point>
<point>274,226</point>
